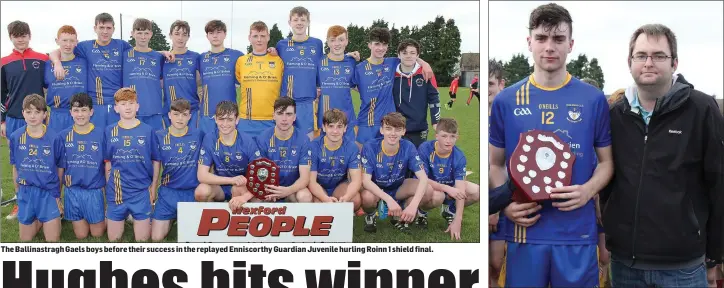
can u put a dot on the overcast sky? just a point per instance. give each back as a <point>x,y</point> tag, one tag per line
<point>44,25</point>
<point>603,29</point>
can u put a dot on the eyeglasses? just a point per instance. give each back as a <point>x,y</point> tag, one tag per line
<point>655,58</point>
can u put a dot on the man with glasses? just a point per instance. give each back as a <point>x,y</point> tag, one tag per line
<point>664,217</point>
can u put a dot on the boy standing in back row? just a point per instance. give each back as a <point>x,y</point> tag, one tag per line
<point>60,91</point>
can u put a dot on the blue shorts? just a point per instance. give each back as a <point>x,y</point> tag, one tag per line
<point>138,205</point>
<point>104,115</point>
<point>537,265</point>
<point>254,127</point>
<point>227,192</point>
<point>500,233</point>
<point>13,124</point>
<point>36,204</point>
<point>367,133</point>
<point>206,124</point>
<point>305,118</point>
<point>156,121</point>
<point>59,119</point>
<point>168,198</point>
<point>82,204</point>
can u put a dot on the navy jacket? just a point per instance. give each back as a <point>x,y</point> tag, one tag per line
<point>413,96</point>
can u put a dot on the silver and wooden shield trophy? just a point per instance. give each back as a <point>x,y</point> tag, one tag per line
<point>259,173</point>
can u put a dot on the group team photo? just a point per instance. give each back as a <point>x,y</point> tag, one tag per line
<point>105,137</point>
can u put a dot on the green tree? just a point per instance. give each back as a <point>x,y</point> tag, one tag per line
<point>274,36</point>
<point>158,40</point>
<point>516,69</point>
<point>581,68</point>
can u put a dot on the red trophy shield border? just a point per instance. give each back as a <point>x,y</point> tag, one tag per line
<point>259,173</point>
<point>540,162</point>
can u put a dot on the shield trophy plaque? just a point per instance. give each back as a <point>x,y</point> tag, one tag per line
<point>259,173</point>
<point>540,162</point>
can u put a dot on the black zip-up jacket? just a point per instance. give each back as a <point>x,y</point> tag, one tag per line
<point>664,204</point>
<point>413,96</point>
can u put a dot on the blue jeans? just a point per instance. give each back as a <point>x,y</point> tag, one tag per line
<point>624,276</point>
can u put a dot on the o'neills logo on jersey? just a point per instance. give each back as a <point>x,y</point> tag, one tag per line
<point>264,222</point>
<point>522,112</point>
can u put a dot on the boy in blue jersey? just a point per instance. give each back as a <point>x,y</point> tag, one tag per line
<point>133,165</point>
<point>142,72</point>
<point>82,170</point>
<point>301,54</point>
<point>496,231</point>
<point>374,77</point>
<point>181,77</point>
<point>336,168</point>
<point>557,245</point>
<point>445,165</point>
<point>178,148</point>
<point>386,164</point>
<point>60,91</point>
<point>104,62</point>
<point>35,153</point>
<point>217,68</point>
<point>336,75</point>
<point>229,153</point>
<point>287,147</point>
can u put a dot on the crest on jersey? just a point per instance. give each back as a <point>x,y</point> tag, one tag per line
<point>115,53</point>
<point>36,64</point>
<point>191,62</point>
<point>192,145</point>
<point>46,150</point>
<point>347,70</point>
<point>77,69</point>
<point>341,160</point>
<point>364,160</point>
<point>226,59</point>
<point>574,113</point>
<point>309,152</point>
<point>257,153</point>
<point>202,151</point>
<point>238,155</point>
<point>419,82</point>
<point>141,140</point>
<point>272,64</point>
<point>153,62</point>
<point>294,152</point>
<point>387,69</point>
<point>94,146</point>
<point>314,51</point>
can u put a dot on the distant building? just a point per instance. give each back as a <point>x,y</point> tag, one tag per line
<point>469,66</point>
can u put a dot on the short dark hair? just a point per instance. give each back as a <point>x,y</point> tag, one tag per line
<point>299,11</point>
<point>283,102</point>
<point>656,30</point>
<point>550,16</point>
<point>407,43</point>
<point>379,34</point>
<point>495,69</point>
<point>81,100</point>
<point>180,105</point>
<point>180,25</point>
<point>103,18</point>
<point>18,28</point>
<point>142,24</point>
<point>394,119</point>
<point>214,25</point>
<point>334,116</point>
<point>227,108</point>
<point>36,101</point>
<point>448,125</point>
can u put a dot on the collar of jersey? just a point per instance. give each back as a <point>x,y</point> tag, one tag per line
<point>382,146</point>
<point>369,60</point>
<point>441,155</point>
<point>41,135</point>
<point>134,126</point>
<point>285,139</point>
<point>531,79</point>
<point>330,147</point>
<point>186,130</point>
<point>221,140</point>
<point>89,130</point>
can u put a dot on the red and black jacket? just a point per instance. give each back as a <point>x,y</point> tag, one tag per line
<point>22,74</point>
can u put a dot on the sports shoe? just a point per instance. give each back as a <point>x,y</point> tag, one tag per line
<point>421,220</point>
<point>403,227</point>
<point>371,223</point>
<point>13,214</point>
<point>448,215</point>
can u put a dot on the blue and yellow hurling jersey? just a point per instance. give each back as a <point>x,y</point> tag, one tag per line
<point>60,91</point>
<point>142,72</point>
<point>288,154</point>
<point>105,68</point>
<point>335,79</point>
<point>443,168</point>
<point>389,168</point>
<point>179,158</point>
<point>374,81</point>
<point>82,158</point>
<point>36,159</point>
<point>131,151</point>
<point>300,72</point>
<point>228,159</point>
<point>578,114</point>
<point>179,80</point>
<point>260,77</point>
<point>333,164</point>
<point>218,78</point>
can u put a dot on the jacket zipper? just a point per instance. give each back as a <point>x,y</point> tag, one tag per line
<point>638,194</point>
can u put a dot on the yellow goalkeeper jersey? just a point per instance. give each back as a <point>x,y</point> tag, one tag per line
<point>261,81</point>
